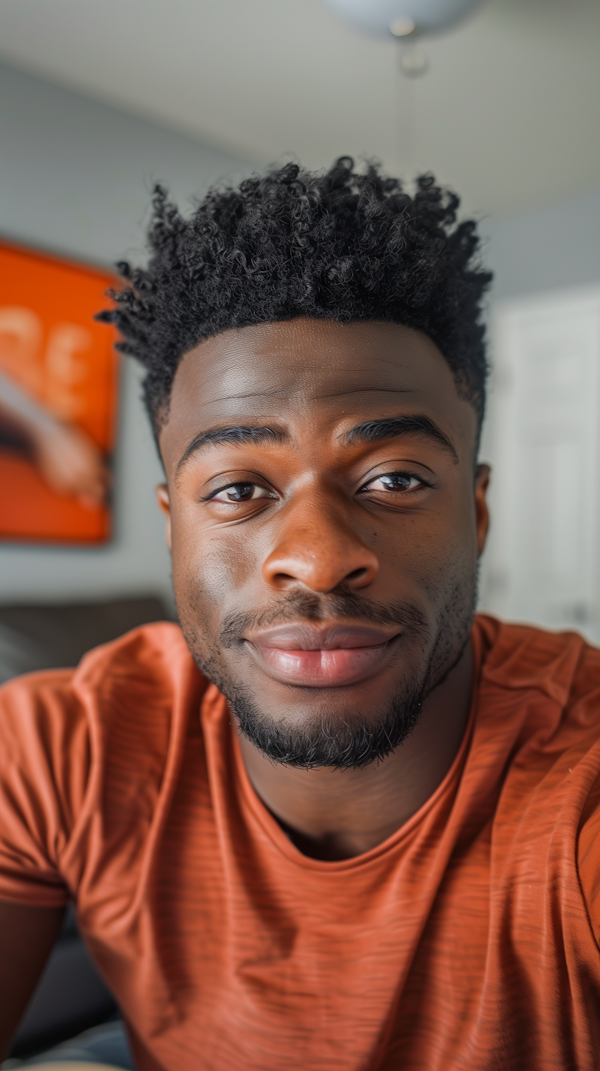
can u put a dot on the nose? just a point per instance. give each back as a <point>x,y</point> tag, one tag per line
<point>318,548</point>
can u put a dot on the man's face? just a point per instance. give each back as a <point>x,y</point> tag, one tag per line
<point>326,521</point>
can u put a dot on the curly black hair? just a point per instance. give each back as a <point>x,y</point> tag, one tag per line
<point>344,245</point>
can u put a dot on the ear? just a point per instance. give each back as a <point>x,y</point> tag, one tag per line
<point>482,480</point>
<point>162,497</point>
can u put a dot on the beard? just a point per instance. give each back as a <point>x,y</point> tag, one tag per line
<point>347,743</point>
<point>328,743</point>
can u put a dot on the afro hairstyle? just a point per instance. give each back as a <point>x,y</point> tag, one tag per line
<point>343,244</point>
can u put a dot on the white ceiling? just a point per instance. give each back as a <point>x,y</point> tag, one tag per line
<point>508,112</point>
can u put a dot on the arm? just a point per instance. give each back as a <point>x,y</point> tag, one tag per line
<point>44,767</point>
<point>27,935</point>
<point>67,458</point>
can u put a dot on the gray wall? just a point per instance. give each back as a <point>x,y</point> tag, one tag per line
<point>549,249</point>
<point>552,248</point>
<point>545,250</point>
<point>75,177</point>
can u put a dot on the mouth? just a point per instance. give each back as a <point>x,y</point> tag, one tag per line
<point>330,656</point>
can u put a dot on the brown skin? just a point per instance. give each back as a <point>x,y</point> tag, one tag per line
<point>321,535</point>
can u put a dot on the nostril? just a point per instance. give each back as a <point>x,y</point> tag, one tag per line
<point>280,578</point>
<point>357,574</point>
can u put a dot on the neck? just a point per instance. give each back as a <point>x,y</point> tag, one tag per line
<point>337,814</point>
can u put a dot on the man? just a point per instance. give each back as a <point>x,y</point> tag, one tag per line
<point>370,841</point>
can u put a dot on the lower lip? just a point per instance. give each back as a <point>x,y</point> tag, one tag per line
<point>324,669</point>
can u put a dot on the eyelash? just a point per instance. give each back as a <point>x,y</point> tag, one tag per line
<point>270,494</point>
<point>238,483</point>
<point>398,472</point>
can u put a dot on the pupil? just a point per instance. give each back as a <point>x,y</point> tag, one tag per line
<point>240,491</point>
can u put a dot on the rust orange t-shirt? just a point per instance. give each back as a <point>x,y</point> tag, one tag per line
<point>467,941</point>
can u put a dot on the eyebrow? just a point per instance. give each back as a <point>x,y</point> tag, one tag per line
<point>238,435</point>
<point>369,431</point>
<point>372,431</point>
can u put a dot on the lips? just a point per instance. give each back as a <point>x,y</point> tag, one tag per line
<point>330,656</point>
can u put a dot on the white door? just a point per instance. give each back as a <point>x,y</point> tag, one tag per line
<point>544,555</point>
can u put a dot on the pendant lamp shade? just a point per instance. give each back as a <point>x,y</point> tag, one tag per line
<point>401,17</point>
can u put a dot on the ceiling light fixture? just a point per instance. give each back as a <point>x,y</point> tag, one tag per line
<point>402,26</point>
<point>402,18</point>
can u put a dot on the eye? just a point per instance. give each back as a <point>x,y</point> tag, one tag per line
<point>240,492</point>
<point>396,482</point>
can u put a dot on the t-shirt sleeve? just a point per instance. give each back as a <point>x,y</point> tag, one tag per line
<point>44,767</point>
<point>588,857</point>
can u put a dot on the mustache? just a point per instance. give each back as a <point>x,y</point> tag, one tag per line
<point>307,606</point>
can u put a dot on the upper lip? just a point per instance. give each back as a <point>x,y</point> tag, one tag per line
<point>328,637</point>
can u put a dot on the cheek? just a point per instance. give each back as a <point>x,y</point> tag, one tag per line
<point>454,563</point>
<point>429,553</point>
<point>209,565</point>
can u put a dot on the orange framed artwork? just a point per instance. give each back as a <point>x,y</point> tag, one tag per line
<point>58,374</point>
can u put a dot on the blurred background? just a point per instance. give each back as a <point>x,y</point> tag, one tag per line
<point>101,98</point>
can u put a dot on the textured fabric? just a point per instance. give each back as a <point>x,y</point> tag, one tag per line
<point>468,941</point>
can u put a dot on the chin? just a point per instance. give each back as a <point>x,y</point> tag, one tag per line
<point>337,727</point>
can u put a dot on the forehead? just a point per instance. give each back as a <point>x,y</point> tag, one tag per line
<point>316,370</point>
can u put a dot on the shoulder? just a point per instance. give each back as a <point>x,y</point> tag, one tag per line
<point>142,695</point>
<point>120,707</point>
<point>539,713</point>
<point>85,755</point>
<point>561,666</point>
<point>146,668</point>
<point>538,708</point>
<point>150,665</point>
